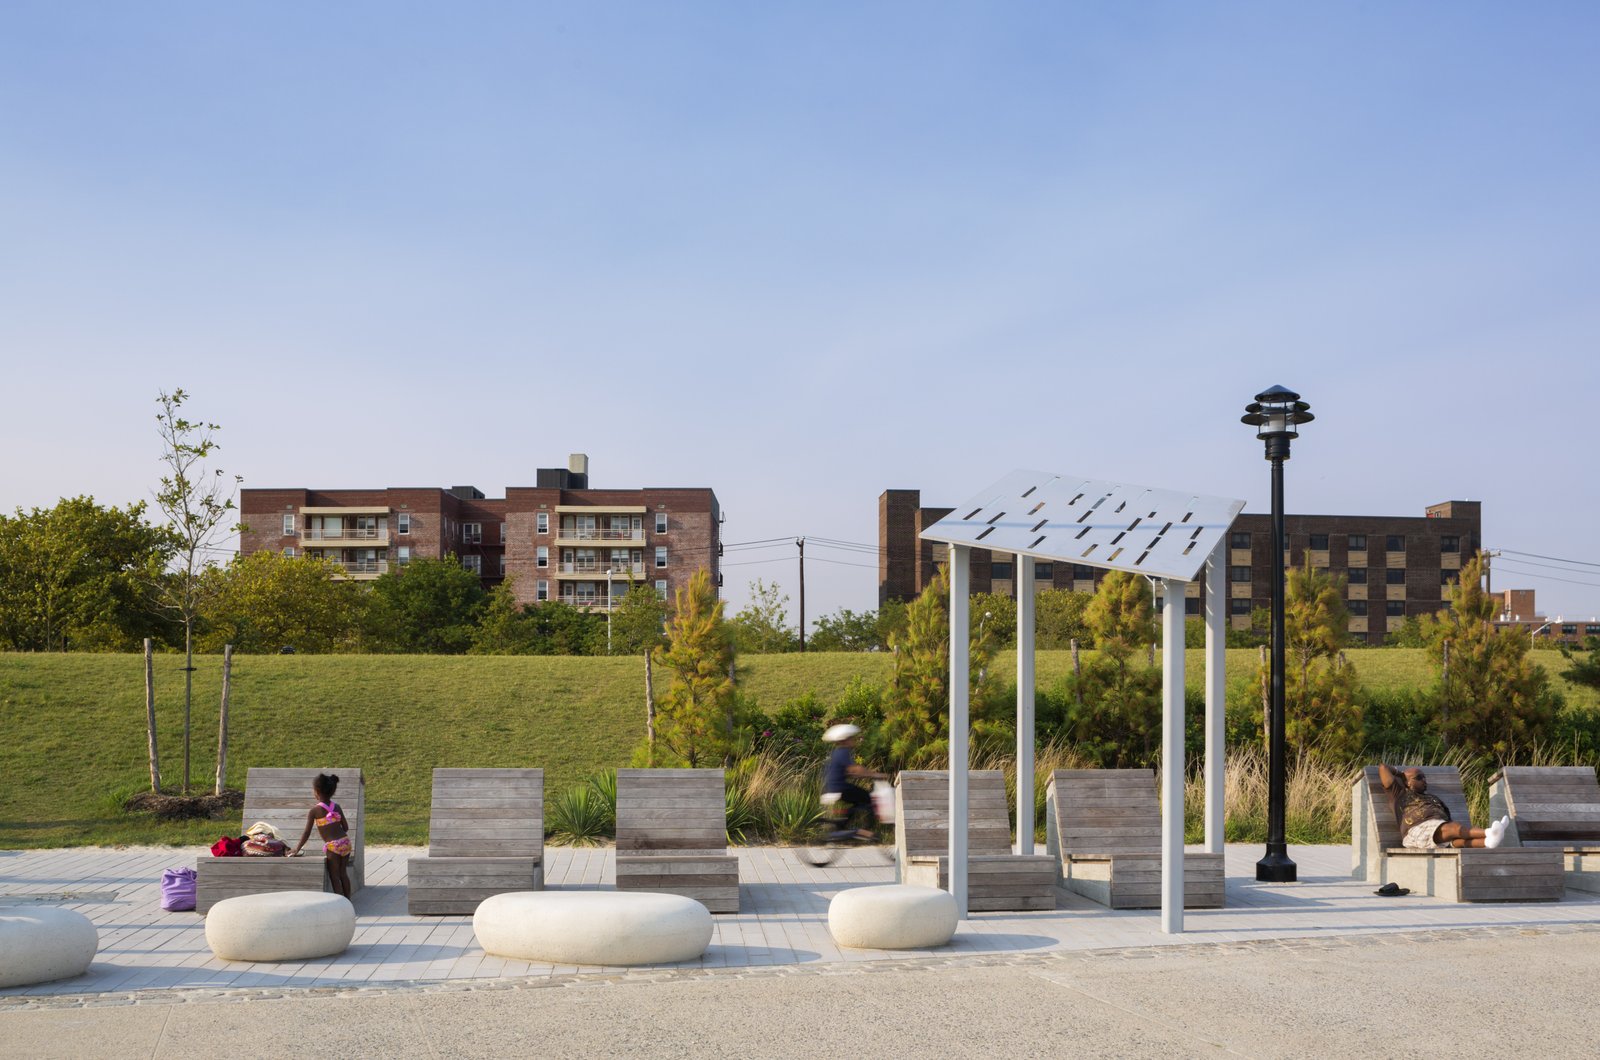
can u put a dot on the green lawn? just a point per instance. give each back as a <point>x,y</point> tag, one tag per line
<point>74,742</point>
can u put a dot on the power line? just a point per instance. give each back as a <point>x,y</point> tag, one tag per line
<point>1556,559</point>
<point>1552,578</point>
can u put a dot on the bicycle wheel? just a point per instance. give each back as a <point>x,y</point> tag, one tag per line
<point>820,848</point>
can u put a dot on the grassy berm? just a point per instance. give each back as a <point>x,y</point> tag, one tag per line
<point>73,745</point>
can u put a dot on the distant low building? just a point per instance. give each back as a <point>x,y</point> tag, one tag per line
<point>1394,566</point>
<point>1518,610</point>
<point>556,539</point>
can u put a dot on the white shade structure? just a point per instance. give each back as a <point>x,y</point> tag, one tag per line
<point>1168,535</point>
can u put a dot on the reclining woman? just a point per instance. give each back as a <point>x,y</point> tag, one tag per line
<point>1424,819</point>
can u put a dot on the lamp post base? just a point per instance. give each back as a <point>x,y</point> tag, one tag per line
<point>1276,868</point>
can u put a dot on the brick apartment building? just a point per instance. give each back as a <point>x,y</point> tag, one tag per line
<point>556,539</point>
<point>1394,566</point>
<point>1518,609</point>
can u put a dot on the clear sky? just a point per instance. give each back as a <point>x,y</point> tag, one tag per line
<point>800,253</point>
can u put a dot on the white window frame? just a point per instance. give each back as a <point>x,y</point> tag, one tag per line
<point>541,557</point>
<point>541,591</point>
<point>403,555</point>
<point>473,564</point>
<point>288,524</point>
<point>288,553</point>
<point>661,588</point>
<point>661,557</point>
<point>472,533</point>
<point>541,522</point>
<point>502,533</point>
<point>661,522</point>
<point>502,564</point>
<point>402,523</point>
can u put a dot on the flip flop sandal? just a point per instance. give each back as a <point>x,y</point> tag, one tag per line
<point>1392,890</point>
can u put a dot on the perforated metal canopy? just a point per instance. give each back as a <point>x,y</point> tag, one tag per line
<point>1073,519</point>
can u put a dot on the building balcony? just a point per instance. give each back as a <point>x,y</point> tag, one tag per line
<point>366,535</point>
<point>569,536</point>
<point>596,571</point>
<point>362,569</point>
<point>589,603</point>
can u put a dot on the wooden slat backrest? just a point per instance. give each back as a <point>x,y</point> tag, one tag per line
<point>924,823</point>
<point>283,797</point>
<point>487,813</point>
<point>1107,811</point>
<point>1554,802</point>
<point>1443,781</point>
<point>671,811</point>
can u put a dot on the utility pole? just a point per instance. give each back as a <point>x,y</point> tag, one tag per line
<point>801,542</point>
<point>1488,571</point>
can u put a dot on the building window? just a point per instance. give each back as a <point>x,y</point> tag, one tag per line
<point>1447,577</point>
<point>541,591</point>
<point>661,522</point>
<point>1591,631</point>
<point>1044,572</point>
<point>502,533</point>
<point>541,523</point>
<point>1450,543</point>
<point>473,564</point>
<point>1569,631</point>
<point>1358,542</point>
<point>1357,608</point>
<point>404,554</point>
<point>1319,542</point>
<point>1395,543</point>
<point>661,556</point>
<point>502,564</point>
<point>1191,605</point>
<point>1238,574</point>
<point>1394,608</point>
<point>288,526</point>
<point>1239,539</point>
<point>1239,605</point>
<point>1082,573</point>
<point>1002,571</point>
<point>1357,575</point>
<point>1395,576</point>
<point>661,589</point>
<point>403,523</point>
<point>472,533</point>
<point>289,552</point>
<point>541,557</point>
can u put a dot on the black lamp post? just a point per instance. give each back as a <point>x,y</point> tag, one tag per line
<point>1276,414</point>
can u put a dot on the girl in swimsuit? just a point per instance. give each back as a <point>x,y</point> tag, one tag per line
<point>328,819</point>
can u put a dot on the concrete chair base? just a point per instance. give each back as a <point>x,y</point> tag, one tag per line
<point>41,945</point>
<point>593,927</point>
<point>892,917</point>
<point>281,926</point>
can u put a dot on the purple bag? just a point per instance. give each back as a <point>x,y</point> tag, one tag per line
<point>177,890</point>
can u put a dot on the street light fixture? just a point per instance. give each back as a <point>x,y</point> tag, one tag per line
<point>1277,414</point>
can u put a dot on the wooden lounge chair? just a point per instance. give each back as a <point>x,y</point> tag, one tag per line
<point>1104,826</point>
<point>281,797</point>
<point>1553,807</point>
<point>672,836</point>
<point>997,879</point>
<point>485,836</point>
<point>1506,874</point>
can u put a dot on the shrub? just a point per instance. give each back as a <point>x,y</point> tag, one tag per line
<point>580,817</point>
<point>791,812</point>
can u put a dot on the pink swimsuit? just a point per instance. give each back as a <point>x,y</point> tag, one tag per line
<point>332,815</point>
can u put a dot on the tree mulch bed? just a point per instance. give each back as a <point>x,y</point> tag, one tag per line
<point>169,807</point>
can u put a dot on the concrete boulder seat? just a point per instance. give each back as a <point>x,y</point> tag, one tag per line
<point>41,945</point>
<point>280,926</point>
<point>593,927</point>
<point>892,917</point>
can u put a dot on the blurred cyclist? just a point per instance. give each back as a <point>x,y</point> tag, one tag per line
<point>841,767</point>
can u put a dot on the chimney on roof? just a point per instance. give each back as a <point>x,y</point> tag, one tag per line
<point>578,471</point>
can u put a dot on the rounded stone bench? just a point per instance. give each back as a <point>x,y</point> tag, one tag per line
<point>892,917</point>
<point>42,944</point>
<point>593,927</point>
<point>280,926</point>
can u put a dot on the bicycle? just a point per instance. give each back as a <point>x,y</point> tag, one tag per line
<point>831,835</point>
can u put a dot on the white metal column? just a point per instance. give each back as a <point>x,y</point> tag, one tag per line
<point>1172,757</point>
<point>960,622</point>
<point>1025,734</point>
<point>1216,694</point>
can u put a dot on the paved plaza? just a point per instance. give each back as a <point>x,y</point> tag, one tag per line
<point>783,922</point>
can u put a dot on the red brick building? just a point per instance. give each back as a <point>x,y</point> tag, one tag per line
<point>1394,566</point>
<point>556,539</point>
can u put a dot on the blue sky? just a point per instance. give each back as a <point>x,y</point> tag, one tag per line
<point>802,253</point>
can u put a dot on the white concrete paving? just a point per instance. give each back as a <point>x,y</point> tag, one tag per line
<point>783,919</point>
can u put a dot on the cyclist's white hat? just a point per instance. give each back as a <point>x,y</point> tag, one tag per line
<point>836,733</point>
